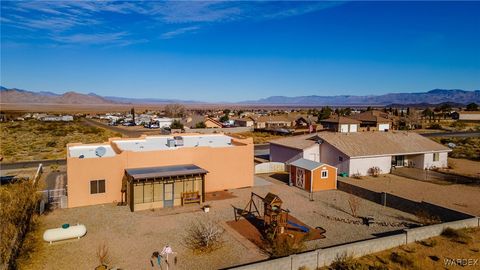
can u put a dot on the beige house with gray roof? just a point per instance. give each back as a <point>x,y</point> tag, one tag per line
<point>357,153</point>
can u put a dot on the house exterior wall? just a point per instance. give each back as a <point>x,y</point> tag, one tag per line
<point>330,155</point>
<point>279,153</point>
<point>312,153</point>
<point>228,168</point>
<point>362,165</point>
<point>441,163</point>
<point>469,116</point>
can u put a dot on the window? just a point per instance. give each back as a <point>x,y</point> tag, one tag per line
<point>436,156</point>
<point>340,159</point>
<point>97,186</point>
<point>324,174</point>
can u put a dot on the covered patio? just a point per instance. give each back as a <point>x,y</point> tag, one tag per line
<point>164,186</point>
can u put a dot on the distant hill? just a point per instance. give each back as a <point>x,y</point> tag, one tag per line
<point>23,96</point>
<point>431,97</point>
<point>436,96</point>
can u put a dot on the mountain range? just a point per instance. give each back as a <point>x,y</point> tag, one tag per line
<point>436,96</point>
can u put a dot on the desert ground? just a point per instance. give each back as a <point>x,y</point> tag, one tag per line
<point>132,237</point>
<point>36,140</point>
<point>455,196</point>
<point>429,254</point>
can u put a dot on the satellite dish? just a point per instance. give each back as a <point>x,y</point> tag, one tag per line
<point>100,151</point>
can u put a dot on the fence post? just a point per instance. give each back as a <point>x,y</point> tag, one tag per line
<point>383,198</point>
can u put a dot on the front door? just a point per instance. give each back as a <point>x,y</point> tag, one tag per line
<point>168,195</point>
<point>300,178</point>
<point>398,161</point>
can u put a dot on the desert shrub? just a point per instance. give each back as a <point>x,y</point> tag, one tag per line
<point>51,144</point>
<point>435,126</point>
<point>357,175</point>
<point>354,203</point>
<point>458,236</point>
<point>18,202</point>
<point>426,218</point>
<point>102,255</point>
<point>345,262</point>
<point>203,236</point>
<point>429,242</point>
<point>374,171</point>
<point>284,246</point>
<point>402,259</point>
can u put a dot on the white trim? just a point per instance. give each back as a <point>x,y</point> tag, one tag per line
<point>326,175</point>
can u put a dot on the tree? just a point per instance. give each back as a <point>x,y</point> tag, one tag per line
<point>224,118</point>
<point>369,108</point>
<point>175,110</point>
<point>472,107</point>
<point>408,111</point>
<point>200,125</point>
<point>324,113</point>
<point>226,111</point>
<point>176,125</point>
<point>427,113</point>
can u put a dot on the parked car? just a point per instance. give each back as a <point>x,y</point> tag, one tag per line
<point>129,124</point>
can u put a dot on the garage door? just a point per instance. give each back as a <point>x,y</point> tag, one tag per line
<point>353,128</point>
<point>383,127</point>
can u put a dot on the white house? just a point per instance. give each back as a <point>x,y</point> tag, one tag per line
<point>164,122</point>
<point>357,153</point>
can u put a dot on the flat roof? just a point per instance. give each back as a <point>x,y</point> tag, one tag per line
<point>164,171</point>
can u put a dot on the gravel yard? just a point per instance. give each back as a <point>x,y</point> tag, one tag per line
<point>464,198</point>
<point>132,237</point>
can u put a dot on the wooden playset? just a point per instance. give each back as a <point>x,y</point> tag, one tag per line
<point>275,220</point>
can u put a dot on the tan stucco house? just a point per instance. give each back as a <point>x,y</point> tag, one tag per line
<point>157,171</point>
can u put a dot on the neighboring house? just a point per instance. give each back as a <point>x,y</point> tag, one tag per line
<point>469,116</point>
<point>340,124</point>
<point>272,122</point>
<point>357,153</point>
<point>53,118</point>
<point>244,122</point>
<point>164,122</point>
<point>157,171</point>
<point>373,121</point>
<point>312,176</point>
<point>212,123</point>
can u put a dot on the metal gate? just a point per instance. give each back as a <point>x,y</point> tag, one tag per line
<point>56,198</point>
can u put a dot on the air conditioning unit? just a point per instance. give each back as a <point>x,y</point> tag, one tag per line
<point>178,140</point>
<point>171,142</point>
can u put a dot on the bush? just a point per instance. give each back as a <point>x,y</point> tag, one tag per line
<point>18,202</point>
<point>458,236</point>
<point>51,144</point>
<point>426,218</point>
<point>345,262</point>
<point>203,236</point>
<point>402,259</point>
<point>284,246</point>
<point>374,171</point>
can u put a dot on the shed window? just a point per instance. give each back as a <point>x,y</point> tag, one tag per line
<point>324,174</point>
<point>436,156</point>
<point>97,186</point>
<point>340,159</point>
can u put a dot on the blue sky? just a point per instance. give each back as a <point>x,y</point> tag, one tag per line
<point>233,51</point>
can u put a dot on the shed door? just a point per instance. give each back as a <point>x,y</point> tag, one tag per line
<point>300,178</point>
<point>343,128</point>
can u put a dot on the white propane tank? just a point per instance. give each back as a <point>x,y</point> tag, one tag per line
<point>58,234</point>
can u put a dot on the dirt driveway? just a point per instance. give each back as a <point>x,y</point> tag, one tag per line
<point>455,196</point>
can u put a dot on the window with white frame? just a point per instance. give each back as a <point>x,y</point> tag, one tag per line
<point>436,156</point>
<point>324,173</point>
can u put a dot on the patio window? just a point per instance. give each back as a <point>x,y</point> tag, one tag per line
<point>97,186</point>
<point>324,174</point>
<point>436,156</point>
